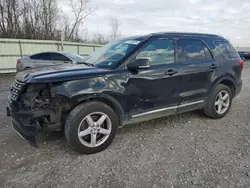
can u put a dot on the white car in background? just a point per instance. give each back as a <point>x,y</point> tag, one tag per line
<point>46,59</point>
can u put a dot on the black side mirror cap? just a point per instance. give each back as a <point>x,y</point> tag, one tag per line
<point>139,64</point>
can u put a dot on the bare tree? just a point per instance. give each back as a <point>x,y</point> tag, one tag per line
<point>41,19</point>
<point>49,15</point>
<point>99,38</point>
<point>10,13</point>
<point>81,9</point>
<point>28,19</point>
<point>114,26</point>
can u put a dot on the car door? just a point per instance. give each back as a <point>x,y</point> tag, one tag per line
<point>196,68</point>
<point>58,58</point>
<point>156,87</point>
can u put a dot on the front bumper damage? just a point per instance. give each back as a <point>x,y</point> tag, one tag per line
<point>32,112</point>
<point>26,131</point>
<point>27,124</point>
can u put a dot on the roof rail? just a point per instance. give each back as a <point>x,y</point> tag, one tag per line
<point>185,33</point>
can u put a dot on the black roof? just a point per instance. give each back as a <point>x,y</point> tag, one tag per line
<point>142,37</point>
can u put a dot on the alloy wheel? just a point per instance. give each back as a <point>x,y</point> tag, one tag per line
<point>94,129</point>
<point>222,102</point>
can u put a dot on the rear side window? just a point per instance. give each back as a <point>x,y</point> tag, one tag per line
<point>41,56</point>
<point>226,49</point>
<point>192,50</point>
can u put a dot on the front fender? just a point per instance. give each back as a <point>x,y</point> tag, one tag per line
<point>78,91</point>
<point>74,88</point>
<point>102,97</point>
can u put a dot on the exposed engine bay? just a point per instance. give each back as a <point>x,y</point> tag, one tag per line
<point>38,106</point>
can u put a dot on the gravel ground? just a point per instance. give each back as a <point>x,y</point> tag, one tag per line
<point>187,150</point>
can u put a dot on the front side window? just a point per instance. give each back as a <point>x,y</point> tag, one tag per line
<point>192,50</point>
<point>160,51</point>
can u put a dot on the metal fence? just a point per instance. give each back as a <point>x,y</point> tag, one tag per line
<point>12,49</point>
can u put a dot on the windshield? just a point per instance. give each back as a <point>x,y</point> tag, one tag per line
<point>74,56</point>
<point>111,53</point>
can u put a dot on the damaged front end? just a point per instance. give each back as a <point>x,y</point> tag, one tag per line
<point>34,107</point>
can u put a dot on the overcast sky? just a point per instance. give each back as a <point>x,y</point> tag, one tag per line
<point>230,18</point>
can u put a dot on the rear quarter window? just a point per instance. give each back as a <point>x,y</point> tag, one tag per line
<point>226,49</point>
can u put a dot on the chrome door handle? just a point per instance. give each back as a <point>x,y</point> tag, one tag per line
<point>171,72</point>
<point>213,66</point>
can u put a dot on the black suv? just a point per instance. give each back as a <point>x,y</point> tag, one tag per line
<point>127,81</point>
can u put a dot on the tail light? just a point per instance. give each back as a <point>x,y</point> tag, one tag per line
<point>241,63</point>
<point>18,61</point>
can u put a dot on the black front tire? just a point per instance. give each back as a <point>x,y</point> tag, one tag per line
<point>209,109</point>
<point>74,120</point>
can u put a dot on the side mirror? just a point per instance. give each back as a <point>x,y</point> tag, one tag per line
<point>139,64</point>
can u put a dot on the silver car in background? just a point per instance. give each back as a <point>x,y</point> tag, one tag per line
<point>46,59</point>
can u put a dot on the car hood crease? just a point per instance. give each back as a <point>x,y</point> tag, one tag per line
<point>58,73</point>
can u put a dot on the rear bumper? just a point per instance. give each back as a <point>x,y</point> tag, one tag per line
<point>19,67</point>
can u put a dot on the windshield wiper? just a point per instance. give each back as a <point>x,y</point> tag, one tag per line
<point>85,63</point>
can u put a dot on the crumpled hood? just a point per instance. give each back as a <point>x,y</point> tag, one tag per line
<point>59,73</point>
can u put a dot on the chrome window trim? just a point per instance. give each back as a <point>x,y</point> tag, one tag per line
<point>168,108</point>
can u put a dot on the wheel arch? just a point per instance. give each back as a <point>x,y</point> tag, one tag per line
<point>228,81</point>
<point>106,99</point>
